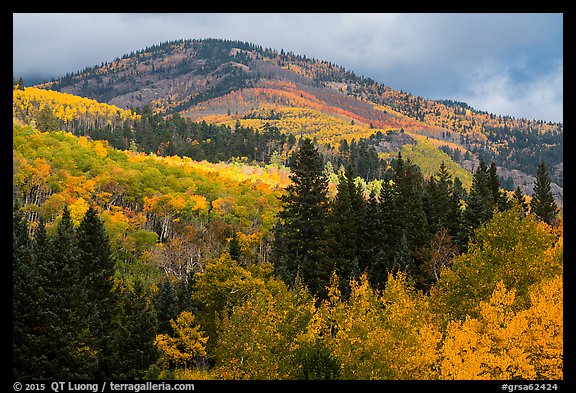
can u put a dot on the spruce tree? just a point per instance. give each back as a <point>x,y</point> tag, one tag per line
<point>299,246</point>
<point>69,346</point>
<point>96,280</point>
<point>47,121</point>
<point>542,203</point>
<point>388,234</point>
<point>409,204</point>
<point>166,304</point>
<point>403,260</point>
<point>133,334</point>
<point>442,203</point>
<point>234,248</point>
<point>344,228</point>
<point>369,230</point>
<point>20,83</point>
<point>479,205</point>
<point>183,289</point>
<point>40,245</point>
<point>24,298</point>
<point>499,197</point>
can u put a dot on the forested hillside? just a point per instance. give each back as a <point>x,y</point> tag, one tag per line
<point>184,248</point>
<point>245,213</point>
<point>254,142</point>
<point>224,81</point>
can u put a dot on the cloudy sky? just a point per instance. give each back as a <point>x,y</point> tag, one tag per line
<point>501,63</point>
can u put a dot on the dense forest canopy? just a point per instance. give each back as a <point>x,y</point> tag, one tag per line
<point>278,217</point>
<point>190,270</point>
<point>233,80</point>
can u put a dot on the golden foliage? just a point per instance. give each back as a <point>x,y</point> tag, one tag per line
<point>75,112</point>
<point>388,335</point>
<point>187,344</point>
<point>504,344</point>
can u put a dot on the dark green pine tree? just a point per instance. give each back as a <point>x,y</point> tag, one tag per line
<point>459,191</point>
<point>520,199</point>
<point>166,304</point>
<point>299,246</point>
<point>479,206</point>
<point>133,334</point>
<point>388,235</point>
<point>25,351</point>
<point>542,203</point>
<point>183,289</point>
<point>96,280</point>
<point>442,203</point>
<point>403,260</point>
<point>234,248</point>
<point>409,203</point>
<point>369,229</point>
<point>69,347</point>
<point>344,233</point>
<point>40,245</point>
<point>47,120</point>
<point>499,197</point>
<point>20,83</point>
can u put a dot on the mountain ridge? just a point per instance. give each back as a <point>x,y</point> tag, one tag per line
<point>224,81</point>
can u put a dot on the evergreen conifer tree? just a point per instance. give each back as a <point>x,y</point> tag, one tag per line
<point>166,304</point>
<point>442,203</point>
<point>96,280</point>
<point>542,203</point>
<point>403,260</point>
<point>133,334</point>
<point>300,246</point>
<point>479,205</point>
<point>499,197</point>
<point>69,346</point>
<point>370,234</point>
<point>388,234</point>
<point>344,228</point>
<point>409,206</point>
<point>46,120</point>
<point>25,354</point>
<point>234,248</point>
<point>183,290</point>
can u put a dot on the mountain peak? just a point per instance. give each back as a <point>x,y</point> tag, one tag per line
<point>229,82</point>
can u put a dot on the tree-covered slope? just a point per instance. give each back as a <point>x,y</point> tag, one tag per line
<point>227,81</point>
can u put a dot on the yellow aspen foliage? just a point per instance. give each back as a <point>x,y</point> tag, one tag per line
<point>185,346</point>
<point>257,338</point>
<point>388,335</point>
<point>77,210</point>
<point>502,330</point>
<point>503,343</point>
<point>356,328</point>
<point>324,323</point>
<point>250,339</point>
<point>198,203</point>
<point>194,374</point>
<point>250,245</point>
<point>544,336</point>
<point>517,251</point>
<point>74,111</point>
<point>463,352</point>
<point>219,287</point>
<point>412,337</point>
<point>101,148</point>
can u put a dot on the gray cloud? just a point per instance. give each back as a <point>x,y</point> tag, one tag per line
<point>501,63</point>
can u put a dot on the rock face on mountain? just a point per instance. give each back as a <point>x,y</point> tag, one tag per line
<point>223,82</point>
